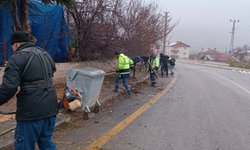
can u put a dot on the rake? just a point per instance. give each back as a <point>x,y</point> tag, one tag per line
<point>162,84</point>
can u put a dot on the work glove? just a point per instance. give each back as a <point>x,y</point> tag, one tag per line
<point>156,69</point>
<point>117,70</point>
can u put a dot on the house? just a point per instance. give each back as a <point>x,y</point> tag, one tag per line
<point>221,58</point>
<point>214,55</point>
<point>178,50</point>
<point>209,51</point>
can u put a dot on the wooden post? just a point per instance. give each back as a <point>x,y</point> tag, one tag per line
<point>4,51</point>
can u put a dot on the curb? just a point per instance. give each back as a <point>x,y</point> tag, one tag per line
<point>8,145</point>
<point>7,131</point>
<point>220,67</point>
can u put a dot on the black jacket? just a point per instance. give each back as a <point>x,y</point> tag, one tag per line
<point>32,104</point>
<point>171,61</point>
<point>164,60</point>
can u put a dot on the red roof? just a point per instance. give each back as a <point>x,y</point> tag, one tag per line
<point>179,44</point>
<point>211,52</point>
<point>221,57</point>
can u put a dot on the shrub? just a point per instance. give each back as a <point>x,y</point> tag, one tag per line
<point>239,64</point>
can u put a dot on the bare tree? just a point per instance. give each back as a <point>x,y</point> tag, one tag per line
<point>94,27</point>
<point>103,26</point>
<point>242,52</point>
<point>141,26</point>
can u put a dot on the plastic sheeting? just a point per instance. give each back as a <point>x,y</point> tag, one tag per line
<point>48,26</point>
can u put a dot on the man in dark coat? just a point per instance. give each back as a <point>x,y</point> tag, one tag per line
<point>164,64</point>
<point>172,64</point>
<point>31,68</point>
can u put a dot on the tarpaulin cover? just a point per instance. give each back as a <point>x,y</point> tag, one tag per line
<point>48,26</point>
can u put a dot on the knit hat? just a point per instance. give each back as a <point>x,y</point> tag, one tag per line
<point>117,52</point>
<point>19,36</point>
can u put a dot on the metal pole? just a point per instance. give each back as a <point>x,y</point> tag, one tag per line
<point>165,33</point>
<point>232,34</point>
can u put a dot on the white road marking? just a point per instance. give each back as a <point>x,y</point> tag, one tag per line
<point>229,81</point>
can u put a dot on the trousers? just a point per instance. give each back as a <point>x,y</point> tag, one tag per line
<point>171,68</point>
<point>124,81</point>
<point>153,78</point>
<point>134,73</point>
<point>28,133</point>
<point>164,67</point>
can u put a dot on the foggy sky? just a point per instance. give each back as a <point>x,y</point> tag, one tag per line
<point>206,23</point>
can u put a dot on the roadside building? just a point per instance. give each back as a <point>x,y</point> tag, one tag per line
<point>214,55</point>
<point>178,50</point>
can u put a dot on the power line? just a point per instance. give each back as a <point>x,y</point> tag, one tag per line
<point>162,5</point>
<point>243,27</point>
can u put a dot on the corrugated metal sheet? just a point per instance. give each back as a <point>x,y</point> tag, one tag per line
<point>209,57</point>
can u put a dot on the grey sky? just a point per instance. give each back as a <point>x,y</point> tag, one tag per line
<point>206,23</point>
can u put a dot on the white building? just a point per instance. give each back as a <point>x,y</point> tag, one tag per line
<point>178,50</point>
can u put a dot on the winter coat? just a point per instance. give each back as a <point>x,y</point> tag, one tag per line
<point>33,102</point>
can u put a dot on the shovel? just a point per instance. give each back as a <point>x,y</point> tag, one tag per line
<point>162,84</point>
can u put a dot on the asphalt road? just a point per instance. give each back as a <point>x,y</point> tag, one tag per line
<point>206,109</point>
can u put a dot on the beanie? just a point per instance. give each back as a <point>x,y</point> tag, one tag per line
<point>19,36</point>
<point>117,52</point>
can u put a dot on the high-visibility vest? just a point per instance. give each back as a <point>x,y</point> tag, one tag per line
<point>124,65</point>
<point>154,62</point>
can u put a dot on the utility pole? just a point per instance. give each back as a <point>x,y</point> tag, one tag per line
<point>232,35</point>
<point>165,33</point>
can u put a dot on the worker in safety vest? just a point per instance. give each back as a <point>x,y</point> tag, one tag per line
<point>154,66</point>
<point>124,65</point>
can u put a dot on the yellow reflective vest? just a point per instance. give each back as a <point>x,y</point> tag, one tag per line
<point>124,65</point>
<point>155,63</point>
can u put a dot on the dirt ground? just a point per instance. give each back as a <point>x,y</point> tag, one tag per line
<point>60,84</point>
<point>76,118</point>
<point>6,117</point>
<point>109,82</point>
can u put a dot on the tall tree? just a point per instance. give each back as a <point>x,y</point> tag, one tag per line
<point>24,23</point>
<point>103,26</point>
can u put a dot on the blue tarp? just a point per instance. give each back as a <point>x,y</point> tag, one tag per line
<point>48,26</point>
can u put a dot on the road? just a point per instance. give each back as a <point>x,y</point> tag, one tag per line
<point>207,108</point>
